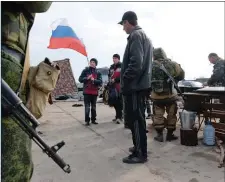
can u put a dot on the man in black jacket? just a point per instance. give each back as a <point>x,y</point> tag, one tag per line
<point>114,83</point>
<point>135,82</point>
<point>92,80</point>
<point>217,79</point>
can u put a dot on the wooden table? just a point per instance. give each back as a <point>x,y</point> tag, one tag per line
<point>202,102</point>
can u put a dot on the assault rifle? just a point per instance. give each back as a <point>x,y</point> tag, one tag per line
<point>12,104</point>
<point>162,67</point>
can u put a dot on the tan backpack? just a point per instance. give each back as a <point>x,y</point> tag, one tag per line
<point>42,80</point>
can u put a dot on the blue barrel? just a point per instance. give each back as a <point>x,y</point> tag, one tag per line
<point>209,134</point>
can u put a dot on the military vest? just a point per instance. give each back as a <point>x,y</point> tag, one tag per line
<point>160,81</point>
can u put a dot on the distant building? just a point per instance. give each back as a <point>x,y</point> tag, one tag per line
<point>66,84</point>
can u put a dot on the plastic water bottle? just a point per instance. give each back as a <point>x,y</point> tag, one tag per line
<point>209,134</point>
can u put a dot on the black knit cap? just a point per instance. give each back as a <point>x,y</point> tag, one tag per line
<point>129,16</point>
<point>116,56</point>
<point>95,60</point>
<point>212,54</point>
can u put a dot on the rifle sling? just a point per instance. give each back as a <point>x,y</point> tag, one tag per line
<point>26,68</point>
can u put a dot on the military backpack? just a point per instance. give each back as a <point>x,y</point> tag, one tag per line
<point>160,81</point>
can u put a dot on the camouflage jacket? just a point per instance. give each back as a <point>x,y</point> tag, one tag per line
<point>17,20</point>
<point>218,76</point>
<point>176,71</point>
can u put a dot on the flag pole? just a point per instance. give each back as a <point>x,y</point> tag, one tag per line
<point>87,60</point>
<point>86,51</point>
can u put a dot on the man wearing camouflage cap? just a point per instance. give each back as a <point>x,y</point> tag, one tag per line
<point>17,20</point>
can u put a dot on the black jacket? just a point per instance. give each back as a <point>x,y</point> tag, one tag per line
<point>113,68</point>
<point>137,62</point>
<point>90,87</point>
<point>218,76</point>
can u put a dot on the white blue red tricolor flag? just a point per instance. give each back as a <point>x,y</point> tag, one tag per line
<point>63,36</point>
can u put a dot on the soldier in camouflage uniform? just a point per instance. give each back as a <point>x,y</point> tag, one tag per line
<point>17,20</point>
<point>218,76</point>
<point>164,95</point>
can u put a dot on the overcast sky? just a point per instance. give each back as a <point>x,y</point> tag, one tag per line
<point>188,31</point>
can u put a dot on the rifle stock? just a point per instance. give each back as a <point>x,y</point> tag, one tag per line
<point>28,123</point>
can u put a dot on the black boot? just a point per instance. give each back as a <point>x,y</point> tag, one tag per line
<point>134,159</point>
<point>87,123</point>
<point>159,137</point>
<point>94,122</point>
<point>126,126</point>
<point>131,149</point>
<point>170,136</point>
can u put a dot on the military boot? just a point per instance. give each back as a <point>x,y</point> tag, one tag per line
<point>159,136</point>
<point>170,136</point>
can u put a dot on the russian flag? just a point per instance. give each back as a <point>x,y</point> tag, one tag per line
<point>64,37</point>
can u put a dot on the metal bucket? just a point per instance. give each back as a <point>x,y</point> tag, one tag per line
<point>187,119</point>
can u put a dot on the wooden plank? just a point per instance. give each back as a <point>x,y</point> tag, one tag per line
<point>219,130</point>
<point>220,135</point>
<point>212,114</point>
<point>212,89</point>
<point>219,106</point>
<point>218,125</point>
<point>218,111</point>
<point>193,94</point>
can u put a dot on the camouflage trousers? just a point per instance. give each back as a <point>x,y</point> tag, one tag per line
<point>159,121</point>
<point>16,157</point>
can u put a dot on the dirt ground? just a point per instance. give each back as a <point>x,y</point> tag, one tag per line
<point>95,153</point>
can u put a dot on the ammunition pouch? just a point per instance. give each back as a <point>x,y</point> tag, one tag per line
<point>162,87</point>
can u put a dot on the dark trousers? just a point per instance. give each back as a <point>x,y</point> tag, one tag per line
<point>124,113</point>
<point>90,104</point>
<point>135,116</point>
<point>118,108</point>
<point>148,106</point>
